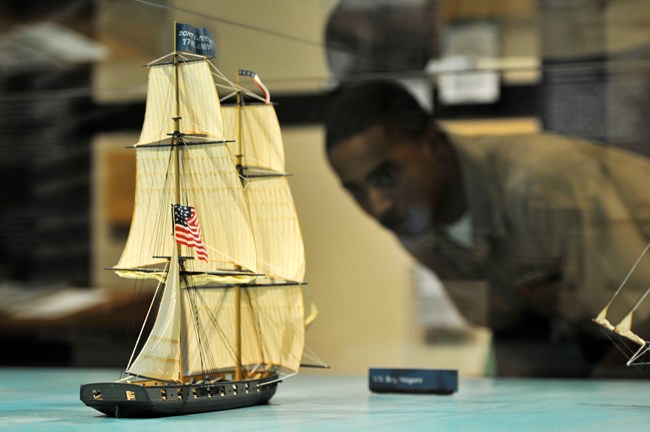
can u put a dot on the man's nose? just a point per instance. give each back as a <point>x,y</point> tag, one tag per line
<point>379,202</point>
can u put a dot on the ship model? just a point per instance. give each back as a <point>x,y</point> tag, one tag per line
<point>215,224</point>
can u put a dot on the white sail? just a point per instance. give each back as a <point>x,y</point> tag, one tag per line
<point>199,106</point>
<point>208,181</point>
<point>280,248</point>
<point>280,324</point>
<point>272,328</point>
<point>160,356</point>
<point>212,185</point>
<point>260,141</point>
<point>150,234</point>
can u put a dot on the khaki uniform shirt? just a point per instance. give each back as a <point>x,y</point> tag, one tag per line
<point>557,224</point>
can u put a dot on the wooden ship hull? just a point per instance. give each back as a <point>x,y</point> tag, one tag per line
<point>137,400</point>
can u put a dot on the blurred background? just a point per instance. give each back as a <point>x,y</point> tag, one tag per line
<point>72,98</point>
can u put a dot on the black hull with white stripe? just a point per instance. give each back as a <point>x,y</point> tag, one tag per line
<point>137,400</point>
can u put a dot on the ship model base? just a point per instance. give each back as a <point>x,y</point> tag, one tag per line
<point>136,400</point>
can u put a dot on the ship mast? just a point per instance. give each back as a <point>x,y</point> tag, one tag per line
<point>238,368</point>
<point>176,148</point>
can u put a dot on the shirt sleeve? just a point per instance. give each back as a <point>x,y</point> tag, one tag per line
<point>575,211</point>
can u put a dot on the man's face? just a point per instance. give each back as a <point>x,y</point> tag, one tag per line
<point>396,179</point>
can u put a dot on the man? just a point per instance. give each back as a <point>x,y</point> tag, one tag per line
<point>552,223</point>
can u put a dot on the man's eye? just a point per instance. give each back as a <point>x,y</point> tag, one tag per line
<point>386,175</point>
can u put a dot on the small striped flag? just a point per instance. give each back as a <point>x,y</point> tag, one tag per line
<point>187,231</point>
<point>258,82</point>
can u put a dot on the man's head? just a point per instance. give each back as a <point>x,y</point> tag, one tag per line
<point>389,155</point>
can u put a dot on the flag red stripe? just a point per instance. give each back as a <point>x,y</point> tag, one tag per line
<point>260,84</point>
<point>183,231</point>
<point>190,235</point>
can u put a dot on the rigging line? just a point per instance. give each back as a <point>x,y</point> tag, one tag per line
<point>199,331</point>
<point>163,209</point>
<point>159,59</point>
<point>638,354</point>
<point>224,81</point>
<point>620,344</point>
<point>224,255</point>
<point>158,238</point>
<point>641,299</point>
<point>201,338</point>
<point>228,96</point>
<point>627,352</point>
<point>256,368</point>
<point>208,362</point>
<point>222,76</point>
<point>279,379</point>
<point>629,274</point>
<point>311,354</point>
<point>212,316</point>
<point>213,365</point>
<point>235,24</point>
<point>136,293</point>
<point>257,321</point>
<point>76,92</point>
<point>333,47</point>
<point>181,172</point>
<point>234,92</point>
<point>45,95</point>
<point>146,319</point>
<point>232,85</point>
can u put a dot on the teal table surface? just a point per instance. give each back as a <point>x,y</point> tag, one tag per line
<point>48,400</point>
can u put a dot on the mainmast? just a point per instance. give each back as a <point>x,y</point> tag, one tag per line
<point>176,149</point>
<point>238,371</point>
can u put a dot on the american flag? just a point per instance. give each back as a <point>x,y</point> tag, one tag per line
<point>187,231</point>
<point>258,82</point>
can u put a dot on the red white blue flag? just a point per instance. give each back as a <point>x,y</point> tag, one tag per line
<point>258,82</point>
<point>187,231</point>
